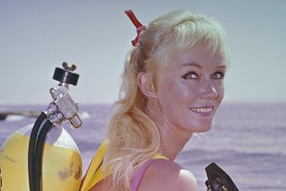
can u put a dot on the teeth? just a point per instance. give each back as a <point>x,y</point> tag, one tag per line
<point>202,110</point>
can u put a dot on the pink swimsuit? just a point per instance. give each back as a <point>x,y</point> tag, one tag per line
<point>139,175</point>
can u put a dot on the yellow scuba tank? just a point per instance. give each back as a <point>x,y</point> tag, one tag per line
<point>43,156</point>
<point>61,161</point>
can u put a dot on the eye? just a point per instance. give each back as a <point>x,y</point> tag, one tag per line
<point>217,75</point>
<point>190,75</point>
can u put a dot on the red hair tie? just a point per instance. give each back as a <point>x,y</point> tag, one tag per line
<point>137,24</point>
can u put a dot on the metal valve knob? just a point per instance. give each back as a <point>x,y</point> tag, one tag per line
<point>65,75</point>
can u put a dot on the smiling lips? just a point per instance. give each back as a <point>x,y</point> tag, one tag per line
<point>202,110</point>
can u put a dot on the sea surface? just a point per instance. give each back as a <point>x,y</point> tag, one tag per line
<point>248,140</point>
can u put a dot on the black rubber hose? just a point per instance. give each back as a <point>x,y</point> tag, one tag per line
<point>39,155</point>
<point>31,149</point>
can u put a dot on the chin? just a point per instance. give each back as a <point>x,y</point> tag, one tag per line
<point>204,128</point>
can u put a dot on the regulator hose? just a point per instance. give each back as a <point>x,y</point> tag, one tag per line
<point>35,151</point>
<point>32,146</point>
<point>39,155</point>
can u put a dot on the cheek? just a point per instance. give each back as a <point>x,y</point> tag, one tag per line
<point>220,90</point>
<point>173,91</point>
<point>167,93</point>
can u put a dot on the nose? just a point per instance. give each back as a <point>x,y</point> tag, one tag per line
<point>209,90</point>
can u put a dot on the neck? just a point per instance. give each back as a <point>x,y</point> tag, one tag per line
<point>172,144</point>
<point>173,139</point>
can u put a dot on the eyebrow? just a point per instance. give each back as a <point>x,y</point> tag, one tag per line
<point>192,64</point>
<point>223,66</point>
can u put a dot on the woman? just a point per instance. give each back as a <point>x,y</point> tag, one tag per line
<point>172,86</point>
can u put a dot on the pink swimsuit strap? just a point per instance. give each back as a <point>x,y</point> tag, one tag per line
<point>139,175</point>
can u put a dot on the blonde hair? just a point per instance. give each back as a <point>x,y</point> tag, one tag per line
<point>133,136</point>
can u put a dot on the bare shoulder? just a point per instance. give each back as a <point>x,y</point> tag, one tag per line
<point>168,176</point>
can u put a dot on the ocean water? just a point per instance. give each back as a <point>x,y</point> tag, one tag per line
<point>248,141</point>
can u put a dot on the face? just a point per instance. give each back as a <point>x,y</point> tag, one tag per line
<point>190,89</point>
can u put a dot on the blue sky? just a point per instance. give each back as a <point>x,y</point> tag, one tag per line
<point>37,36</point>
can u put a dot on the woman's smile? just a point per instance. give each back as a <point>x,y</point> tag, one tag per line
<point>203,110</point>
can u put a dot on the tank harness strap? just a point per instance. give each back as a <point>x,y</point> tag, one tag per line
<point>94,173</point>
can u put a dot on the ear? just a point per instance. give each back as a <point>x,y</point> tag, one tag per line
<point>146,87</point>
